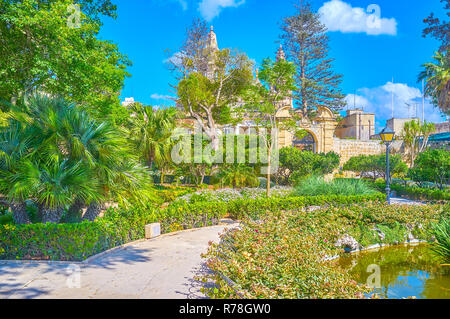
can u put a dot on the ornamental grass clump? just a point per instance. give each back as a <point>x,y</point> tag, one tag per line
<point>442,245</point>
<point>315,185</point>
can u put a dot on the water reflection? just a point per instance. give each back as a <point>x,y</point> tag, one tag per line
<point>405,271</point>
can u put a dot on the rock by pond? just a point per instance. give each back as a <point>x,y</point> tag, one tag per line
<point>398,272</point>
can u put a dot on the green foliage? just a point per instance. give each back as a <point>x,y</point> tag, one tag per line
<point>282,254</point>
<point>150,132</point>
<point>41,51</point>
<point>417,193</point>
<point>238,176</point>
<point>296,164</point>
<point>314,186</point>
<point>257,208</point>
<point>55,153</point>
<point>432,166</point>
<point>375,165</point>
<point>415,137</point>
<point>306,43</point>
<point>442,246</point>
<point>437,77</point>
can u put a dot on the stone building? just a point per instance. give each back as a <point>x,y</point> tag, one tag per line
<point>397,124</point>
<point>357,125</point>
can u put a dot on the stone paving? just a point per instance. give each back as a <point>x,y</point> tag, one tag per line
<point>160,268</point>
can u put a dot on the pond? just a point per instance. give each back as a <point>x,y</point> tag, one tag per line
<point>400,272</point>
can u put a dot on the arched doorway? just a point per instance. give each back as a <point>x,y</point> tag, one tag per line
<point>307,143</point>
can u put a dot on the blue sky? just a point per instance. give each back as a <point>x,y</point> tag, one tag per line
<point>368,51</point>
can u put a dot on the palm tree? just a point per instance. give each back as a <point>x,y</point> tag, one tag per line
<point>238,176</point>
<point>61,156</point>
<point>415,136</point>
<point>16,145</point>
<point>437,77</point>
<point>151,131</point>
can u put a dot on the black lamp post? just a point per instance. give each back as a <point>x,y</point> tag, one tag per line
<point>387,135</point>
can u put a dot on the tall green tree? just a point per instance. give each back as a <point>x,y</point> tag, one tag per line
<point>45,47</point>
<point>306,43</point>
<point>210,81</point>
<point>268,99</point>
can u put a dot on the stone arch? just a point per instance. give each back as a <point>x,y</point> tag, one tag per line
<point>308,143</point>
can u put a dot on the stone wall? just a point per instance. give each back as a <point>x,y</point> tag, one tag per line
<point>351,148</point>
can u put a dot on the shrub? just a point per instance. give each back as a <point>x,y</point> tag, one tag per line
<point>432,166</point>
<point>256,208</point>
<point>314,186</point>
<point>375,165</point>
<point>283,255</point>
<point>417,193</point>
<point>296,164</point>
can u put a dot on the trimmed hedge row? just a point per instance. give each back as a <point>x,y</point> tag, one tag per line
<point>417,193</point>
<point>254,208</point>
<point>76,242</point>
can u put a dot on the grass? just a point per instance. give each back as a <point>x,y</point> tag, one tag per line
<point>314,186</point>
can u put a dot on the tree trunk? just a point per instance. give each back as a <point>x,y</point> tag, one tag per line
<point>75,210</point>
<point>269,160</point>
<point>52,215</point>
<point>19,211</point>
<point>93,211</point>
<point>214,142</point>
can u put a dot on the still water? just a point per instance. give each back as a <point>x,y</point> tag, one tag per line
<point>404,271</point>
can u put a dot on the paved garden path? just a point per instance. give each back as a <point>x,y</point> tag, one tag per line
<point>160,268</point>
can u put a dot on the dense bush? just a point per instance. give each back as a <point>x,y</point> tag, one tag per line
<point>374,166</point>
<point>432,166</point>
<point>296,164</point>
<point>315,185</point>
<point>283,255</point>
<point>417,193</point>
<point>256,208</point>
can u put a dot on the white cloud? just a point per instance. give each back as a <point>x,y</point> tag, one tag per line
<point>407,103</point>
<point>157,96</point>
<point>340,16</point>
<point>209,9</point>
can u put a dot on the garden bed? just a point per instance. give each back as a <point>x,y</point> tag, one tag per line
<point>283,255</point>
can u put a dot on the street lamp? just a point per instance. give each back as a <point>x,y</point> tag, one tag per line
<point>387,135</point>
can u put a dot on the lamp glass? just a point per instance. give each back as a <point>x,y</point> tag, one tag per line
<point>387,135</point>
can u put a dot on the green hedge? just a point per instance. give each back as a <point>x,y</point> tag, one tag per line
<point>76,242</point>
<point>256,207</point>
<point>416,193</point>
